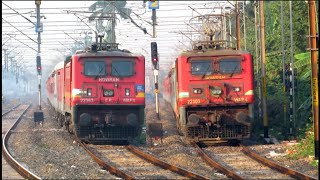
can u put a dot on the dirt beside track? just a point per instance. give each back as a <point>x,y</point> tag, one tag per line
<point>49,151</point>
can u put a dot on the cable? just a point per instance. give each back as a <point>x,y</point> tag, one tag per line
<point>23,43</point>
<point>20,31</point>
<point>19,14</point>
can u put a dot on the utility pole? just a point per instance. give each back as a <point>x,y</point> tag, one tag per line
<point>283,74</point>
<point>237,25</point>
<point>314,74</point>
<point>292,97</point>
<point>263,72</point>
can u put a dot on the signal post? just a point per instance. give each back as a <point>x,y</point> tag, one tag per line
<point>38,116</point>
<point>154,53</point>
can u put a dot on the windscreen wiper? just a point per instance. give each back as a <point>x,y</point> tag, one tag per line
<point>235,68</point>
<point>116,70</point>
<point>204,75</point>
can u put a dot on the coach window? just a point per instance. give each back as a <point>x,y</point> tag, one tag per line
<point>94,68</point>
<point>201,67</point>
<point>121,68</point>
<point>230,66</point>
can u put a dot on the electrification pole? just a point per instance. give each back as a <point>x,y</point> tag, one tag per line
<point>263,72</point>
<point>283,73</point>
<point>113,22</point>
<point>5,60</point>
<point>38,2</point>
<point>258,62</point>
<point>244,26</point>
<point>314,74</point>
<point>238,25</point>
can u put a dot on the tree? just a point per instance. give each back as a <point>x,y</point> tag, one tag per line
<point>102,10</point>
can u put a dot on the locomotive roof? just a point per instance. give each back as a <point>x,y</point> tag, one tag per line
<point>108,53</point>
<point>220,52</point>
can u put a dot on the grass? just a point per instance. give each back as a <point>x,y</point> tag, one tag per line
<point>305,148</point>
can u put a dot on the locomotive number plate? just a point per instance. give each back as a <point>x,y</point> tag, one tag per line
<point>87,100</point>
<point>193,101</point>
<point>240,99</point>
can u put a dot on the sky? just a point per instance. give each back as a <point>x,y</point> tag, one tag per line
<point>61,30</point>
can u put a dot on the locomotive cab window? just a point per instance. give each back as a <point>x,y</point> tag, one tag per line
<point>202,67</point>
<point>94,68</point>
<point>230,66</point>
<point>121,68</point>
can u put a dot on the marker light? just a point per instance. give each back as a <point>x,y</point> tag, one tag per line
<point>127,92</point>
<point>89,92</point>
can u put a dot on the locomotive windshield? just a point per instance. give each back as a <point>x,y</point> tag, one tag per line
<point>201,67</point>
<point>121,68</point>
<point>230,66</point>
<point>94,68</point>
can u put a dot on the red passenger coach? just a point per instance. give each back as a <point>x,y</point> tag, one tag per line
<point>211,93</point>
<point>99,94</point>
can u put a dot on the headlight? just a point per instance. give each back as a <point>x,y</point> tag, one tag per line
<point>216,91</point>
<point>236,89</point>
<point>197,91</point>
<point>108,92</point>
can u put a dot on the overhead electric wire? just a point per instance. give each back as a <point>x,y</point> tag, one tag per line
<point>20,31</point>
<point>18,13</point>
<point>23,43</point>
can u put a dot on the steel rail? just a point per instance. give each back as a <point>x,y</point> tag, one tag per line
<point>10,110</point>
<point>163,164</point>
<point>15,164</point>
<point>215,164</point>
<point>110,168</point>
<point>274,165</point>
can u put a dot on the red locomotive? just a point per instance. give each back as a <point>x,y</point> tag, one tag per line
<point>99,94</point>
<point>211,92</point>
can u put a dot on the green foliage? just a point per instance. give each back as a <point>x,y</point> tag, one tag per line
<point>305,148</point>
<point>102,9</point>
<point>274,63</point>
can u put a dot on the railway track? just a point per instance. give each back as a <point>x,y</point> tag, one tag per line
<point>6,112</point>
<point>246,164</point>
<point>10,120</point>
<point>130,162</point>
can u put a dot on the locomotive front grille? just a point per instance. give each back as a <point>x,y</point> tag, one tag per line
<point>224,132</point>
<point>113,133</point>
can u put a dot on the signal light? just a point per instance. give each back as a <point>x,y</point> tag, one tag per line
<point>154,54</point>
<point>39,65</point>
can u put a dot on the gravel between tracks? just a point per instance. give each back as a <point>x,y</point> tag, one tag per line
<point>49,151</point>
<point>172,145</point>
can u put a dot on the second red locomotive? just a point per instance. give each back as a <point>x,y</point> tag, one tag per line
<point>99,94</point>
<point>211,92</point>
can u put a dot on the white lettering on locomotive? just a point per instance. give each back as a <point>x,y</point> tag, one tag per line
<point>86,100</point>
<point>239,99</point>
<point>129,100</point>
<point>109,79</point>
<point>193,101</point>
<point>108,100</point>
